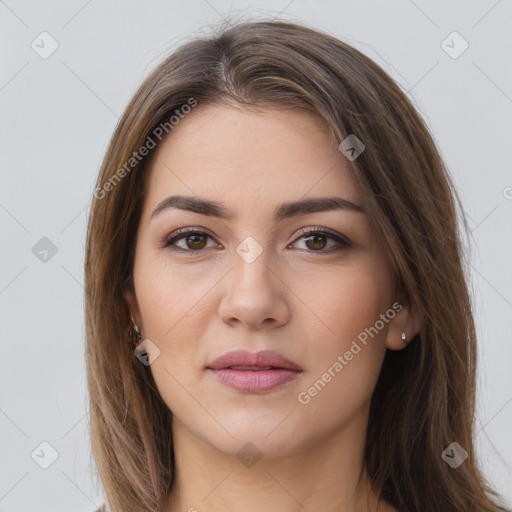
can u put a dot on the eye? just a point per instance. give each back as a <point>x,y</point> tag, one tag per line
<point>316,240</point>
<point>191,240</point>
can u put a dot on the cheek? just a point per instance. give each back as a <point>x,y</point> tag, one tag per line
<point>347,349</point>
<point>170,297</point>
<point>347,299</point>
<point>176,307</point>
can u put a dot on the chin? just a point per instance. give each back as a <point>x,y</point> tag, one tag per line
<point>251,442</point>
<point>265,431</point>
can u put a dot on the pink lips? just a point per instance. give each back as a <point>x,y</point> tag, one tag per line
<point>253,372</point>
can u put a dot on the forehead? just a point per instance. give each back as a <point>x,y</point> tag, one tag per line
<point>243,157</point>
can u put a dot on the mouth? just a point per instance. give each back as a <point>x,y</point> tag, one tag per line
<point>253,368</point>
<point>254,372</point>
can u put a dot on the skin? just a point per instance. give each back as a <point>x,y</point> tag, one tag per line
<point>299,297</point>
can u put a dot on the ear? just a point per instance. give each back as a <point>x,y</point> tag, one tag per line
<point>131,301</point>
<point>406,320</point>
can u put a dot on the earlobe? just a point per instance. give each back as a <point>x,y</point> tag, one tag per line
<point>398,342</point>
<point>402,329</point>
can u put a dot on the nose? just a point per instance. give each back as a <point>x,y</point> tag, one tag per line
<point>255,295</point>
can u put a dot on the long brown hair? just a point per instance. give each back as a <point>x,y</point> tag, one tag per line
<point>425,396</point>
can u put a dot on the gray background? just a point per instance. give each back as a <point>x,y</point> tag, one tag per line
<point>58,114</point>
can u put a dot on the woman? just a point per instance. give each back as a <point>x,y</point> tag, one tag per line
<point>278,317</point>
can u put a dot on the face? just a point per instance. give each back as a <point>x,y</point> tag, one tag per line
<point>252,260</point>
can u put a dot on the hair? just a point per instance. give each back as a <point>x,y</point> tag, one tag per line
<point>425,395</point>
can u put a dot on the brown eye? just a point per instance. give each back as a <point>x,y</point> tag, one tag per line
<point>316,242</point>
<point>322,241</point>
<point>196,241</point>
<point>188,240</point>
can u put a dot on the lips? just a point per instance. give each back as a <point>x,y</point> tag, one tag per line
<point>254,372</point>
<point>242,359</point>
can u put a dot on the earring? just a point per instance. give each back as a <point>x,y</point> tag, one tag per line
<point>135,335</point>
<point>404,338</point>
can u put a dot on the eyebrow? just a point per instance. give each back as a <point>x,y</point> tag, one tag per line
<point>283,211</point>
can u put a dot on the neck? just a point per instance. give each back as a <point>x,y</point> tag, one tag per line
<point>328,476</point>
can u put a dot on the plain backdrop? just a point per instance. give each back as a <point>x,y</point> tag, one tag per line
<point>57,116</point>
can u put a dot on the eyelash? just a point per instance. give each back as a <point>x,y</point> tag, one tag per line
<point>303,233</point>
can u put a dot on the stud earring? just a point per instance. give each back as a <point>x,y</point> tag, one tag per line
<point>404,338</point>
